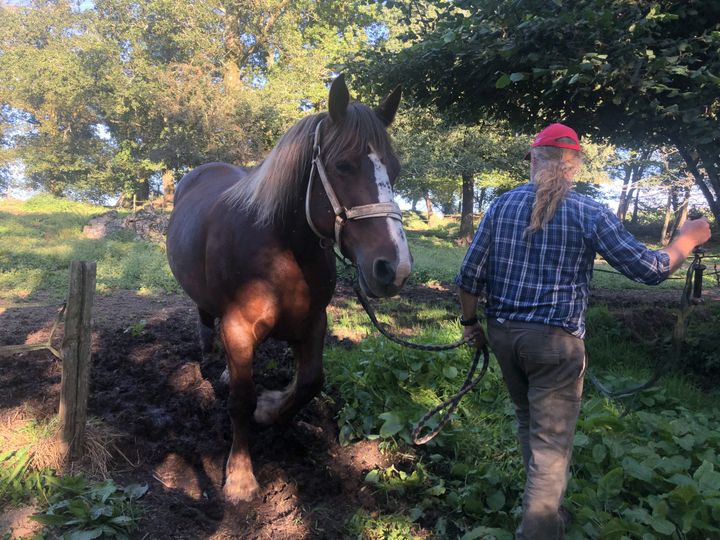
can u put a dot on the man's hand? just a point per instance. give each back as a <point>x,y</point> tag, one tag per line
<point>474,335</point>
<point>696,229</point>
<point>693,233</point>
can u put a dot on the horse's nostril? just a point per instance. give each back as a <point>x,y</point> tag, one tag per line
<point>384,272</point>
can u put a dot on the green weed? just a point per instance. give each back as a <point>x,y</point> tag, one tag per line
<point>82,509</point>
<point>71,505</point>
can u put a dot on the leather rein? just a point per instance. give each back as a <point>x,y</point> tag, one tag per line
<point>342,214</point>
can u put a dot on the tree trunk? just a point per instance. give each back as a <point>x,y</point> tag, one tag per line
<point>481,199</point>
<point>622,204</point>
<point>664,236</point>
<point>448,208</point>
<point>142,191</point>
<point>700,181</point>
<point>683,210</point>
<point>467,227</point>
<point>428,206</point>
<point>168,183</point>
<point>635,208</point>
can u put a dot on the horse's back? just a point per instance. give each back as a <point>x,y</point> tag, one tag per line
<point>209,179</point>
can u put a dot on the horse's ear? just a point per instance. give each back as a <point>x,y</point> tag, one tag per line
<point>389,106</point>
<point>339,99</point>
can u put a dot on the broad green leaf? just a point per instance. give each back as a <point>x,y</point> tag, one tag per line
<point>121,520</point>
<point>599,452</point>
<point>662,525</point>
<point>496,501</point>
<point>611,484</point>
<point>686,442</point>
<point>486,533</point>
<point>436,490</point>
<point>84,535</point>
<point>392,424</point>
<point>674,464</point>
<point>616,527</point>
<point>346,435</point>
<point>450,372</point>
<point>459,470</point>
<point>637,515</point>
<point>100,510</point>
<point>581,440</point>
<point>637,470</point>
<point>681,480</point>
<point>709,483</point>
<point>685,493</point>
<point>49,519</point>
<point>373,477</point>
<point>135,491</point>
<point>503,81</point>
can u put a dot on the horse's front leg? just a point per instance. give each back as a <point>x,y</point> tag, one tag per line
<point>279,406</point>
<point>240,342</point>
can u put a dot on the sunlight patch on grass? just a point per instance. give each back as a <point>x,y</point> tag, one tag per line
<point>44,234</point>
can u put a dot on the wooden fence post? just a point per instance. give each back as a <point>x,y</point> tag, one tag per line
<point>76,346</point>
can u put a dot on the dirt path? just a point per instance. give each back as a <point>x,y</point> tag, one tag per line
<point>150,387</point>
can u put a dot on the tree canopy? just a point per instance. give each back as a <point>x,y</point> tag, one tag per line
<point>106,96</point>
<point>625,70</point>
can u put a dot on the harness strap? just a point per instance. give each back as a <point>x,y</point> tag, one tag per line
<point>386,209</point>
<point>342,214</point>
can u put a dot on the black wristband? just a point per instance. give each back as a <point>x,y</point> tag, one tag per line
<point>469,322</point>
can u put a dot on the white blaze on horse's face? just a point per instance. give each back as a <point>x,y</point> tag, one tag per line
<point>395,228</point>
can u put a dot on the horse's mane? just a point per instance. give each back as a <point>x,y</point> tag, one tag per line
<point>272,188</point>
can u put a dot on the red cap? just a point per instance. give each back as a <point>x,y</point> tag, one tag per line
<point>550,135</point>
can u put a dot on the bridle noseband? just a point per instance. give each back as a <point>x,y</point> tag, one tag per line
<point>342,214</point>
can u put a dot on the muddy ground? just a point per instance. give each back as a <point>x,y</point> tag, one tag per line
<point>151,388</point>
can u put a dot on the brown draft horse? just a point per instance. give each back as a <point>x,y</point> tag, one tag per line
<point>251,247</point>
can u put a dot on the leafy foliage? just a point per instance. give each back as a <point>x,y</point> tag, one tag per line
<point>624,70</point>
<point>72,505</point>
<point>99,101</point>
<point>90,510</point>
<point>655,468</point>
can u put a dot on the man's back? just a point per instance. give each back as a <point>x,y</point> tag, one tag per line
<point>544,276</point>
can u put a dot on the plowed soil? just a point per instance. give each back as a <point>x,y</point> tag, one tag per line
<point>151,387</point>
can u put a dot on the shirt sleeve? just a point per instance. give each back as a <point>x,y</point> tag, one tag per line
<point>473,271</point>
<point>627,254</point>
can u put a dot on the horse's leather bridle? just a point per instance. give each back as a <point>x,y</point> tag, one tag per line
<point>342,214</point>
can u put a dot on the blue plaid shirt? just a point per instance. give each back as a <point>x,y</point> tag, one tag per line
<point>544,277</point>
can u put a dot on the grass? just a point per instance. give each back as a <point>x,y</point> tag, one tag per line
<point>39,238</point>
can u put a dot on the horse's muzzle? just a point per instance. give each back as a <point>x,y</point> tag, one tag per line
<point>385,279</point>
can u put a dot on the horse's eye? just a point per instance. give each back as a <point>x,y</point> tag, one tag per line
<point>344,166</point>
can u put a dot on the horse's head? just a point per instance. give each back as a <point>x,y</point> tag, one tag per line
<point>350,194</point>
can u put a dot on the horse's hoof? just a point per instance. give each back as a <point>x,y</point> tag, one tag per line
<point>239,490</point>
<point>269,404</point>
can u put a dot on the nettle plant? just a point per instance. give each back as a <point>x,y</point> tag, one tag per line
<point>651,473</point>
<point>655,473</point>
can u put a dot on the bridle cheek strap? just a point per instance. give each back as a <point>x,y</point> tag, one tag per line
<point>342,214</point>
